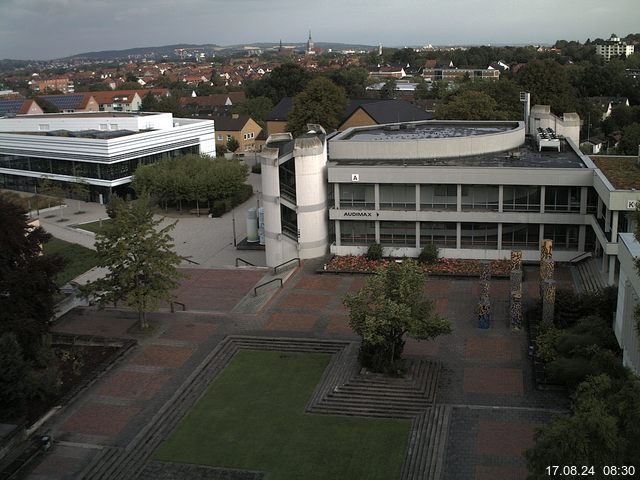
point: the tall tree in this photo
(322, 102)
(139, 256)
(392, 304)
(287, 80)
(470, 105)
(257, 108)
(26, 279)
(630, 142)
(549, 84)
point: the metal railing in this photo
(238, 259)
(582, 256)
(255, 290)
(275, 269)
(191, 261)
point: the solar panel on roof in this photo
(68, 102)
(10, 106)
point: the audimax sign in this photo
(360, 214)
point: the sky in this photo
(47, 29)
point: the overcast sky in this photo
(45, 29)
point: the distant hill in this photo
(169, 50)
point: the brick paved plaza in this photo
(485, 376)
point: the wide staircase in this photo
(587, 275)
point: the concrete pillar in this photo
(583, 200)
(417, 234)
(500, 202)
(336, 195)
(599, 209)
(612, 270)
(500, 232)
(614, 226)
(605, 257)
(376, 196)
(541, 235)
(417, 197)
(582, 236)
(543, 191)
(377, 231)
(458, 234)
(459, 198)
(607, 220)
(337, 232)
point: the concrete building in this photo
(475, 189)
(613, 47)
(100, 149)
(241, 127)
(628, 298)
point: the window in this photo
(228, 137)
(43, 127)
(479, 235)
(440, 234)
(480, 197)
(357, 196)
(438, 197)
(353, 232)
(562, 199)
(103, 126)
(219, 137)
(565, 237)
(398, 196)
(519, 198)
(520, 236)
(113, 126)
(398, 233)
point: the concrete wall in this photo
(344, 148)
(86, 121)
(568, 125)
(628, 294)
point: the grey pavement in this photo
(209, 242)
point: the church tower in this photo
(310, 45)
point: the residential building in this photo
(278, 116)
(362, 112)
(241, 127)
(73, 102)
(216, 104)
(613, 48)
(388, 72)
(475, 189)
(100, 149)
(22, 106)
(450, 74)
(119, 100)
(607, 104)
(62, 84)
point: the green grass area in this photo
(78, 259)
(94, 227)
(253, 418)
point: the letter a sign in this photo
(355, 177)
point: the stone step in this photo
(369, 391)
(390, 402)
(362, 412)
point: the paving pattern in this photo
(476, 421)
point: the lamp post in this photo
(233, 226)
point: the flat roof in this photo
(622, 172)
(527, 156)
(416, 131)
(97, 134)
(90, 115)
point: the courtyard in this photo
(138, 418)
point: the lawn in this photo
(253, 418)
(78, 259)
(94, 227)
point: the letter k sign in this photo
(355, 177)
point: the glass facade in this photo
(95, 170)
(439, 197)
(479, 235)
(357, 233)
(441, 234)
(480, 197)
(520, 236)
(402, 234)
(562, 199)
(357, 196)
(565, 237)
(519, 198)
(398, 196)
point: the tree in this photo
(391, 305)
(321, 102)
(14, 372)
(257, 108)
(353, 79)
(630, 142)
(389, 89)
(470, 105)
(232, 144)
(141, 263)
(287, 80)
(549, 84)
(26, 279)
(149, 103)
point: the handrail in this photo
(275, 269)
(184, 307)
(243, 260)
(580, 257)
(255, 290)
(191, 261)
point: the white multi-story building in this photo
(474, 189)
(100, 149)
(628, 300)
(614, 47)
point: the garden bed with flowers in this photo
(444, 266)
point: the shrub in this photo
(429, 254)
(374, 252)
(221, 150)
(218, 208)
(242, 194)
(257, 168)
